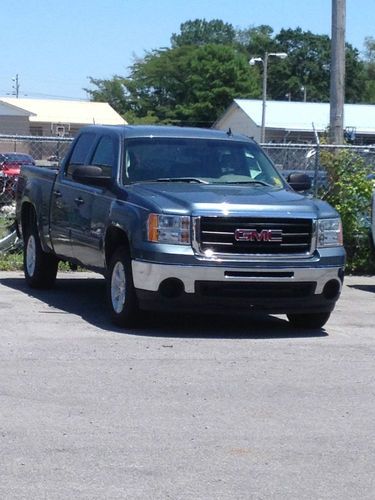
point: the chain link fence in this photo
(40, 148)
(307, 158)
(48, 152)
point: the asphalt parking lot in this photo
(183, 407)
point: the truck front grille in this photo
(254, 235)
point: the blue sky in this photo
(54, 46)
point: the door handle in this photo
(79, 201)
(57, 194)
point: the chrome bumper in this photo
(148, 276)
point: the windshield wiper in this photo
(181, 179)
(253, 181)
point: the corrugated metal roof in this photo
(292, 115)
(65, 111)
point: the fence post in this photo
(317, 161)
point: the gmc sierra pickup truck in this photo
(182, 219)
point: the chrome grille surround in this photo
(213, 238)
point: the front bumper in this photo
(276, 290)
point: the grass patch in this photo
(14, 262)
(11, 262)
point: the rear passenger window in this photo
(105, 155)
(80, 152)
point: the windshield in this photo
(197, 160)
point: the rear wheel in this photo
(310, 321)
(120, 289)
(40, 267)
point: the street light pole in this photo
(264, 98)
(264, 61)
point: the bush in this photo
(350, 193)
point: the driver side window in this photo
(105, 156)
(81, 150)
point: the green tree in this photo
(256, 40)
(306, 69)
(355, 76)
(112, 91)
(207, 66)
(187, 85)
(191, 85)
(369, 70)
(202, 32)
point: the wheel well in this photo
(115, 237)
(28, 216)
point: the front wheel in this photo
(40, 267)
(120, 289)
(309, 321)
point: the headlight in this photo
(329, 233)
(172, 229)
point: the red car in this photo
(10, 163)
(10, 167)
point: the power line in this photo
(54, 96)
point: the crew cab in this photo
(183, 219)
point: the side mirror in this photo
(299, 182)
(90, 174)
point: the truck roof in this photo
(139, 131)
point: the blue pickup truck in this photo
(182, 219)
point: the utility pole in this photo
(337, 89)
(16, 86)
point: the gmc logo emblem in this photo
(264, 235)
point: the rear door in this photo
(67, 198)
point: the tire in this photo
(120, 289)
(309, 321)
(40, 268)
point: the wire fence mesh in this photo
(48, 152)
(42, 149)
(307, 158)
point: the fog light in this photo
(331, 289)
(171, 288)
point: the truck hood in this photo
(226, 199)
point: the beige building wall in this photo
(14, 125)
(239, 123)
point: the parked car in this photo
(10, 167)
(182, 219)
(10, 163)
